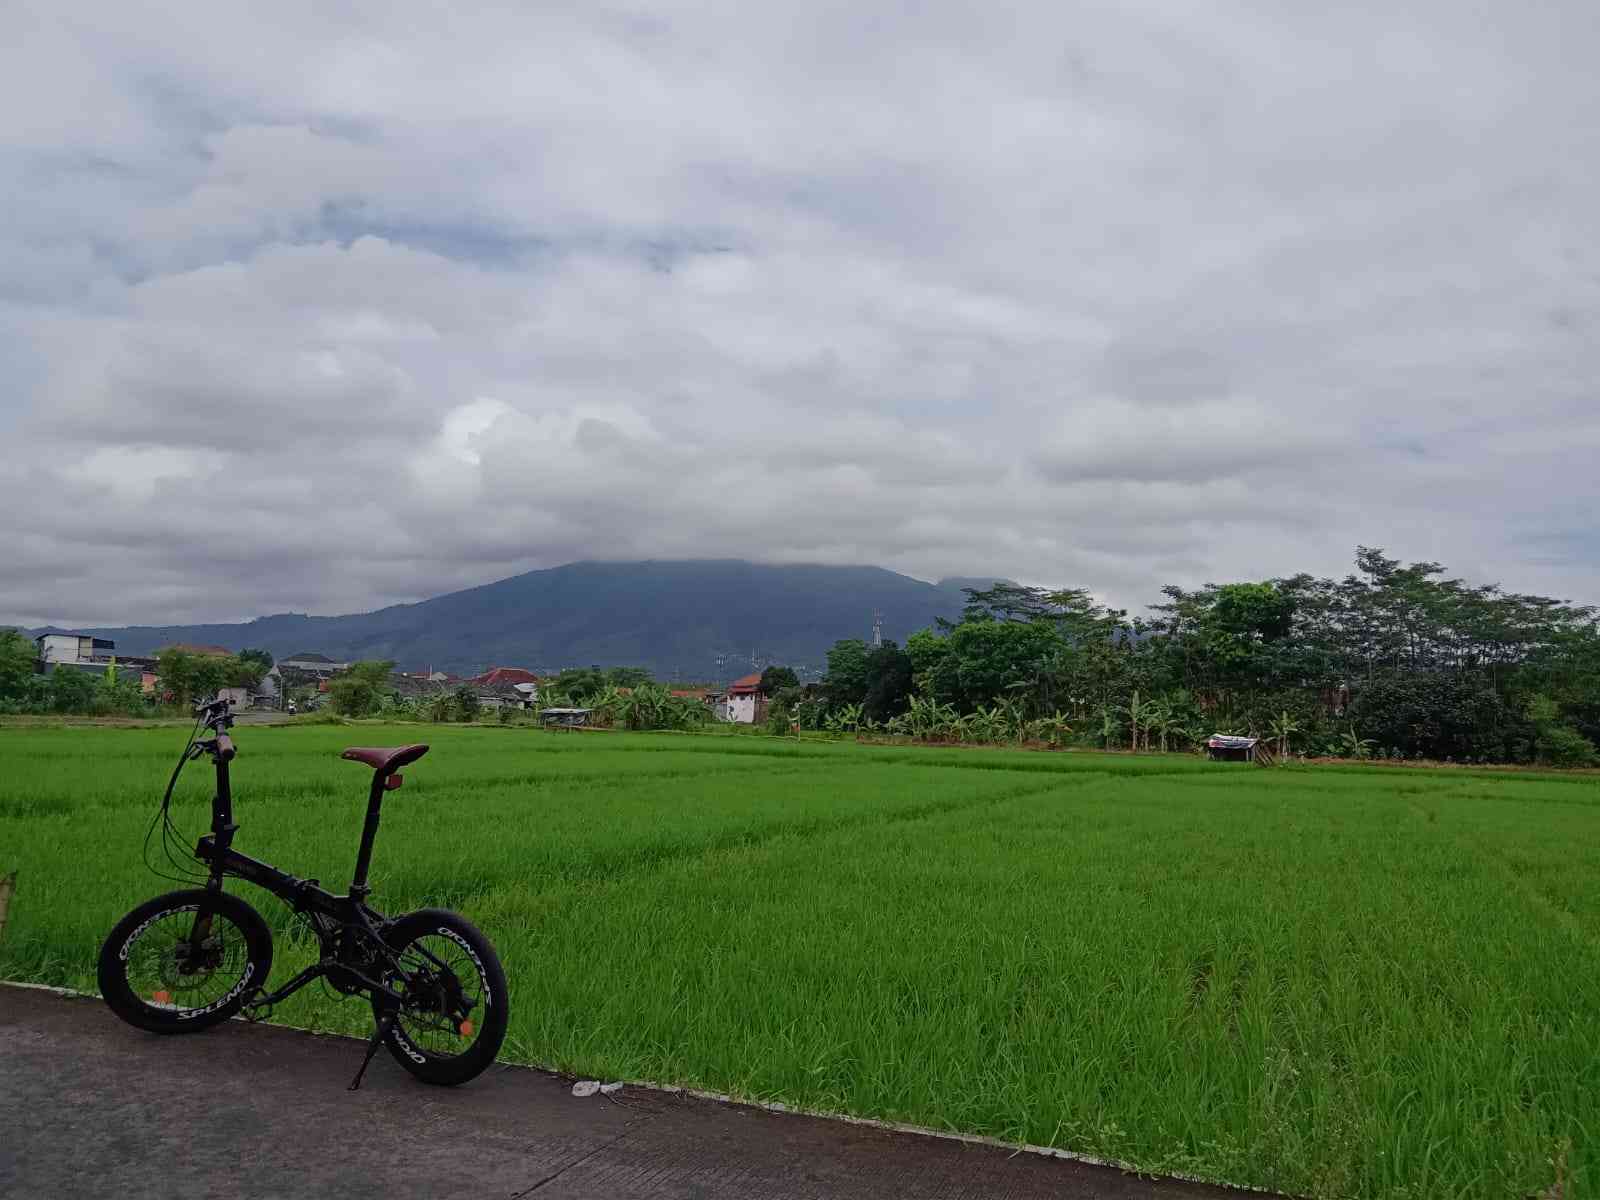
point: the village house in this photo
(73, 648)
(746, 705)
(311, 663)
(83, 652)
(505, 677)
(506, 687)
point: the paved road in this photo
(91, 1108)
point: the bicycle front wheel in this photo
(184, 961)
(453, 1010)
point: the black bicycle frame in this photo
(303, 895)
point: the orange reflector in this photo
(466, 1028)
(162, 997)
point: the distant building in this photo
(746, 704)
(84, 653)
(310, 663)
(502, 695)
(505, 677)
(73, 648)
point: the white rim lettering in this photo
(483, 976)
(185, 1014)
(405, 1046)
(133, 937)
(189, 1014)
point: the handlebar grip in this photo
(225, 750)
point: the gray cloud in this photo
(322, 310)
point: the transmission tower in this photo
(877, 627)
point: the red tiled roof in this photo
(745, 684)
(505, 675)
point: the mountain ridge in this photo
(686, 618)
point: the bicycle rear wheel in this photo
(184, 961)
(453, 1014)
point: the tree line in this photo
(617, 697)
(1395, 660)
(106, 690)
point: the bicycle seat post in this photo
(369, 833)
(383, 761)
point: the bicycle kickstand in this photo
(384, 1024)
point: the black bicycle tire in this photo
(130, 1007)
(455, 1069)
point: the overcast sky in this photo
(319, 307)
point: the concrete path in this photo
(90, 1107)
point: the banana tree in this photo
(1142, 717)
(845, 719)
(1354, 746)
(1054, 729)
(1109, 724)
(979, 726)
(1160, 719)
(930, 719)
(1283, 727)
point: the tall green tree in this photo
(263, 657)
(580, 684)
(889, 683)
(70, 691)
(775, 678)
(846, 680)
(360, 690)
(980, 660)
(17, 656)
(176, 671)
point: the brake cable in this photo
(163, 818)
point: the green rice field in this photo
(1320, 980)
